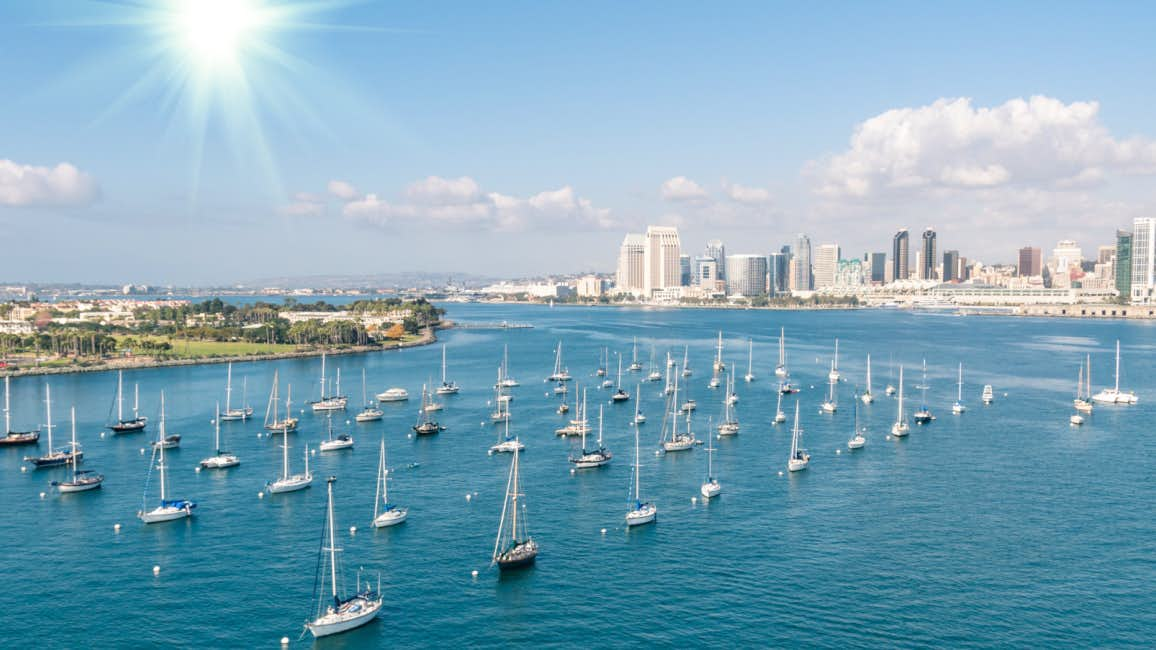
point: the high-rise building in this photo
(878, 263)
(850, 273)
(684, 271)
(631, 264)
(900, 244)
(951, 270)
(801, 277)
(716, 249)
(705, 273)
(1031, 262)
(927, 263)
(746, 275)
(662, 251)
(1143, 259)
(1124, 263)
(1105, 254)
(1066, 255)
(826, 265)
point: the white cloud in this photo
(460, 202)
(305, 205)
(952, 146)
(681, 188)
(747, 195)
(343, 190)
(28, 185)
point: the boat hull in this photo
(590, 461)
(521, 556)
(856, 443)
(644, 515)
(129, 426)
(337, 444)
(710, 489)
(69, 487)
(391, 517)
(163, 514)
(369, 415)
(221, 462)
(337, 622)
(15, 439)
(293, 484)
(797, 464)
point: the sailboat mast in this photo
(795, 433)
(1117, 365)
(285, 453)
(782, 347)
(332, 542)
(750, 356)
(120, 396)
(637, 464)
(322, 375)
(868, 374)
(74, 463)
(443, 367)
(7, 404)
(380, 479)
(229, 389)
(161, 439)
(599, 430)
(514, 500)
(217, 429)
(899, 418)
(959, 395)
(136, 401)
(48, 410)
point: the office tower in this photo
(850, 273)
(900, 244)
(684, 270)
(746, 275)
(1143, 259)
(826, 264)
(631, 264)
(705, 273)
(1124, 263)
(1105, 254)
(1067, 254)
(1031, 262)
(878, 268)
(777, 267)
(716, 250)
(801, 278)
(661, 258)
(951, 266)
(927, 263)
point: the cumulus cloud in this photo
(747, 195)
(681, 188)
(460, 202)
(305, 204)
(29, 185)
(343, 190)
(952, 146)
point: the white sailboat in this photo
(780, 416)
(394, 394)
(426, 425)
(672, 439)
(1083, 401)
(635, 364)
(1114, 395)
(799, 458)
(580, 424)
(900, 428)
(719, 366)
(686, 371)
(781, 368)
(638, 511)
(428, 404)
(596, 458)
(830, 405)
(867, 397)
(507, 444)
(334, 402)
(15, 438)
(448, 387)
(385, 514)
(890, 390)
(834, 375)
(54, 457)
(560, 373)
(334, 613)
(988, 395)
(370, 412)
(620, 394)
(729, 424)
(603, 362)
(137, 423)
(221, 459)
(857, 438)
(639, 416)
(230, 413)
(273, 421)
(289, 482)
(335, 443)
(958, 408)
(507, 381)
(82, 480)
(711, 487)
(655, 374)
(750, 376)
(169, 509)
(514, 548)
(923, 415)
(501, 412)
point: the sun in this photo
(214, 33)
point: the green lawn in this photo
(195, 349)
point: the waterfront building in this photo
(589, 286)
(1105, 254)
(826, 264)
(1031, 262)
(850, 273)
(746, 275)
(878, 266)
(1123, 266)
(631, 264)
(1066, 255)
(661, 259)
(951, 268)
(801, 277)
(1143, 260)
(927, 263)
(778, 266)
(705, 273)
(718, 252)
(684, 269)
(900, 244)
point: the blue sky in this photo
(518, 138)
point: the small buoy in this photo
(838, 451)
(468, 497)
(260, 495)
(156, 570)
(353, 530)
(780, 473)
(571, 470)
(142, 451)
(409, 436)
(313, 452)
(102, 435)
(197, 469)
(603, 531)
(284, 640)
(887, 438)
(258, 435)
(657, 452)
(694, 499)
(42, 495)
(116, 528)
(23, 469)
(474, 573)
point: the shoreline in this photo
(428, 337)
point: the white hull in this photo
(328, 405)
(507, 447)
(1113, 396)
(1076, 419)
(682, 444)
(221, 462)
(644, 515)
(797, 464)
(169, 513)
(447, 390)
(236, 414)
(890, 391)
(590, 461)
(829, 407)
(432, 407)
(337, 622)
(291, 484)
(780, 417)
(391, 517)
(856, 443)
(834, 376)
(369, 415)
(958, 409)
(714, 383)
(748, 378)
(336, 444)
(900, 429)
(1082, 405)
(654, 376)
(710, 489)
(781, 371)
(69, 488)
(867, 398)
(728, 429)
(393, 395)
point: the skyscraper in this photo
(951, 269)
(661, 257)
(705, 272)
(1124, 264)
(1031, 262)
(684, 270)
(927, 263)
(631, 264)
(777, 267)
(878, 268)
(801, 278)
(826, 265)
(746, 275)
(1143, 259)
(900, 244)
(716, 249)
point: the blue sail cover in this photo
(178, 503)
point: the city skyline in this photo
(496, 136)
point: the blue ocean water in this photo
(1002, 527)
